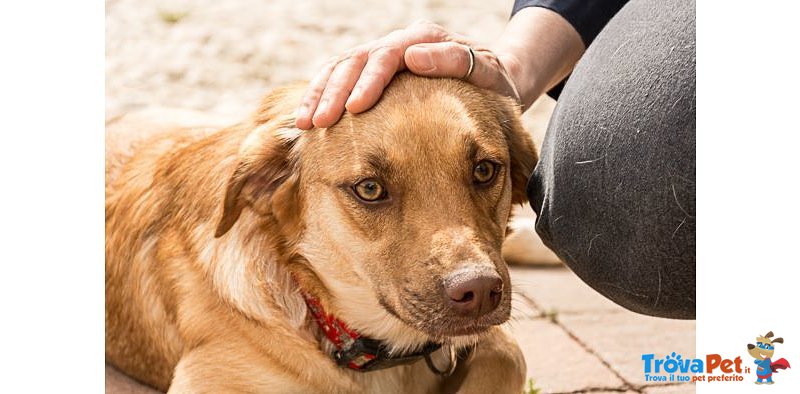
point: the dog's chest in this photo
(414, 378)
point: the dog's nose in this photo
(474, 292)
(750, 346)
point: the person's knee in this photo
(614, 254)
(623, 224)
(614, 188)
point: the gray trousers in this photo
(615, 185)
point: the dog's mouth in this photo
(458, 327)
(440, 323)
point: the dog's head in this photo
(399, 212)
(764, 347)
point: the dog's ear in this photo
(769, 335)
(521, 149)
(266, 158)
(264, 164)
(777, 340)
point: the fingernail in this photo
(423, 60)
(301, 113)
(322, 107)
(353, 96)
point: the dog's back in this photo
(141, 335)
(165, 174)
(135, 309)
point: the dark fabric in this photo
(587, 17)
(614, 189)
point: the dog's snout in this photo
(474, 292)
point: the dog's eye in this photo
(484, 171)
(369, 190)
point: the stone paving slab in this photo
(559, 289)
(523, 308)
(621, 338)
(556, 362)
(522, 246)
(676, 389)
(119, 383)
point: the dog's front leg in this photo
(495, 366)
(217, 369)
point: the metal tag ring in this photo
(450, 368)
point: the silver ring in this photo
(471, 63)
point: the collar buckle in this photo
(367, 354)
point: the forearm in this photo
(538, 48)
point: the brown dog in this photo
(256, 258)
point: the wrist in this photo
(538, 49)
(523, 80)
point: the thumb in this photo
(451, 59)
(441, 59)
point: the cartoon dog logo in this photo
(762, 351)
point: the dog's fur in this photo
(210, 237)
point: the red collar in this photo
(361, 353)
(336, 331)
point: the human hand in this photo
(356, 79)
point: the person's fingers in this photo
(441, 59)
(312, 96)
(386, 59)
(452, 59)
(359, 79)
(338, 88)
(383, 63)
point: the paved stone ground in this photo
(575, 340)
(220, 56)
